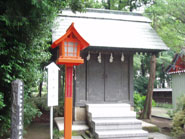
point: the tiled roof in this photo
(178, 63)
(111, 29)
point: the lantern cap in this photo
(69, 31)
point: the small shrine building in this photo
(114, 37)
(177, 71)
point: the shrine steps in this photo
(114, 121)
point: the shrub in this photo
(1, 101)
(57, 134)
(178, 123)
(5, 124)
(30, 110)
(139, 101)
(41, 103)
(178, 115)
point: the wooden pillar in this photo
(68, 105)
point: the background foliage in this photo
(139, 101)
(178, 116)
(169, 21)
(25, 38)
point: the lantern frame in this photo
(72, 36)
(63, 51)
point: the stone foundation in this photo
(80, 114)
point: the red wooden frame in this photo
(178, 64)
(73, 36)
(65, 57)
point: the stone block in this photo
(80, 114)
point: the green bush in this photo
(41, 103)
(4, 119)
(5, 124)
(57, 134)
(1, 101)
(178, 115)
(140, 84)
(139, 101)
(30, 110)
(178, 123)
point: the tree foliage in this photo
(25, 38)
(124, 5)
(169, 24)
(178, 115)
(141, 71)
(169, 21)
(139, 101)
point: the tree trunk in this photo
(146, 114)
(109, 4)
(142, 67)
(40, 88)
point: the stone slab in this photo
(107, 108)
(145, 124)
(112, 114)
(157, 135)
(121, 134)
(75, 127)
(80, 114)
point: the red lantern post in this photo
(70, 45)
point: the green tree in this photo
(93, 4)
(125, 5)
(25, 38)
(141, 68)
(169, 21)
(141, 71)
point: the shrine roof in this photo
(111, 29)
(178, 63)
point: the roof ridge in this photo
(118, 12)
(106, 14)
(112, 11)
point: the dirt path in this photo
(165, 125)
(38, 131)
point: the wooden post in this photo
(68, 102)
(53, 70)
(148, 102)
